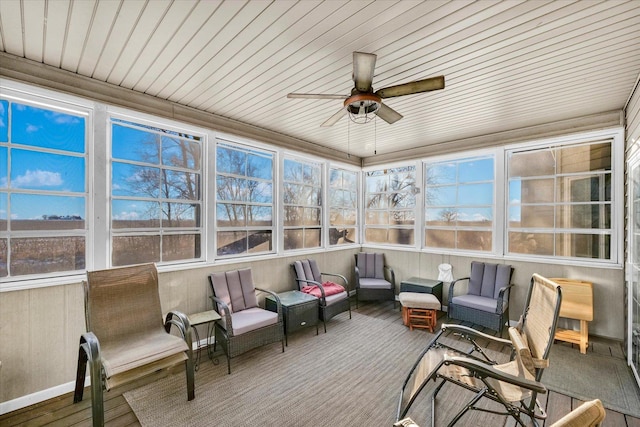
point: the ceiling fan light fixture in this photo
(362, 108)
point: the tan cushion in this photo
(251, 319)
(419, 300)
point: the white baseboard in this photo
(50, 393)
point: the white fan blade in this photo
(315, 96)
(388, 114)
(335, 118)
(363, 68)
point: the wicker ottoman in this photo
(419, 310)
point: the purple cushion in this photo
(251, 319)
(477, 302)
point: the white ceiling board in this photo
(507, 65)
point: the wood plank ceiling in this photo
(508, 65)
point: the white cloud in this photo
(126, 215)
(32, 128)
(37, 178)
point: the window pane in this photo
(231, 161)
(138, 181)
(540, 216)
(3, 211)
(180, 153)
(584, 216)
(293, 215)
(583, 245)
(181, 185)
(341, 236)
(259, 216)
(40, 255)
(474, 240)
(135, 214)
(130, 250)
(441, 173)
(4, 168)
(376, 235)
(229, 215)
(584, 158)
(311, 216)
(293, 239)
(532, 163)
(440, 239)
(180, 215)
(259, 167)
(4, 121)
(401, 236)
(537, 191)
(531, 243)
(442, 196)
(587, 189)
(231, 188)
(232, 242)
(260, 241)
(4, 271)
(45, 128)
(312, 237)
(45, 171)
(39, 212)
(135, 144)
(260, 191)
(441, 217)
(292, 171)
(475, 170)
(475, 194)
(180, 247)
(377, 218)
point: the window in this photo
(244, 206)
(560, 201)
(343, 206)
(458, 201)
(390, 204)
(302, 190)
(156, 197)
(43, 189)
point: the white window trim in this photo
(326, 189)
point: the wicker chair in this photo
(308, 274)
(485, 302)
(515, 384)
(374, 279)
(244, 325)
(126, 337)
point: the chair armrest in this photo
(501, 299)
(452, 285)
(90, 344)
(277, 298)
(344, 279)
(482, 370)
(393, 276)
(470, 333)
(180, 320)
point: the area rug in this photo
(589, 376)
(349, 376)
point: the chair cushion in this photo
(251, 319)
(503, 278)
(236, 289)
(475, 278)
(477, 302)
(371, 265)
(336, 297)
(307, 269)
(419, 300)
(374, 283)
(137, 350)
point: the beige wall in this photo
(40, 328)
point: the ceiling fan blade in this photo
(419, 86)
(388, 114)
(315, 96)
(363, 67)
(335, 118)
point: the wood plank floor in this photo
(61, 411)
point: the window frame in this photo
(616, 136)
(358, 177)
(45, 100)
(144, 120)
(493, 229)
(232, 143)
(322, 165)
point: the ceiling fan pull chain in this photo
(375, 135)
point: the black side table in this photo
(300, 311)
(420, 285)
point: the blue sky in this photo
(60, 173)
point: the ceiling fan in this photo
(363, 101)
